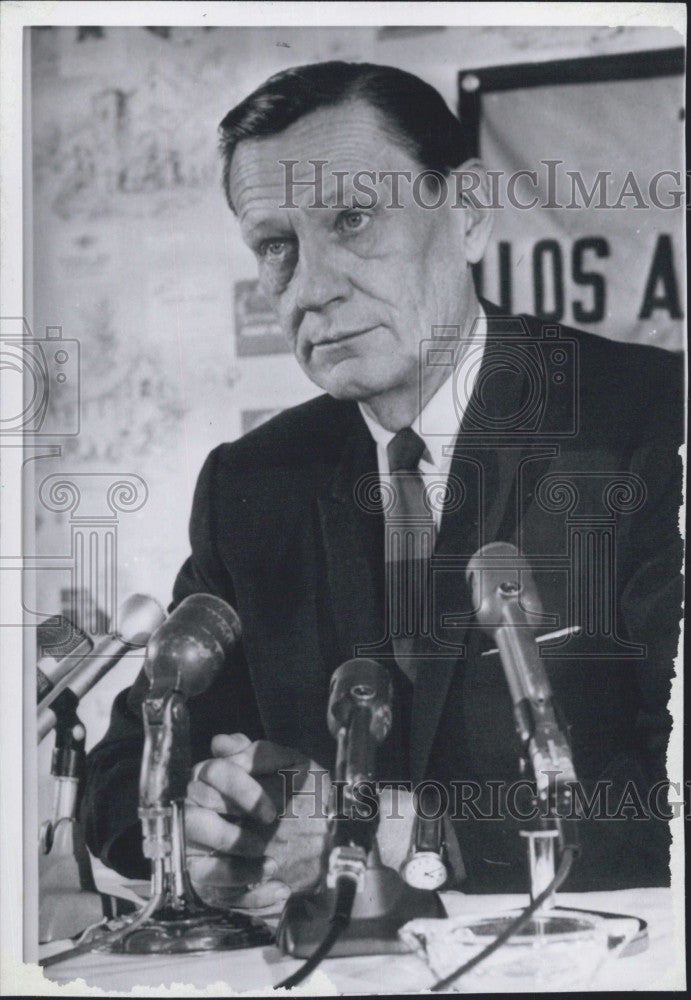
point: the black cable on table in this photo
(343, 905)
(516, 925)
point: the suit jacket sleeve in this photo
(111, 794)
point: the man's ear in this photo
(475, 212)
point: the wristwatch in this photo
(425, 867)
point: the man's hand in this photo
(251, 838)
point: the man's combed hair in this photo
(414, 113)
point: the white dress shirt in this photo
(439, 421)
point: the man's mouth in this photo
(341, 337)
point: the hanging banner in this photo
(587, 189)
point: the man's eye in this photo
(275, 250)
(353, 221)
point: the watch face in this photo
(425, 870)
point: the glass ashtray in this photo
(552, 951)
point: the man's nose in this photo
(318, 279)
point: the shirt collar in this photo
(439, 421)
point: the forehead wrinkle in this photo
(351, 137)
(258, 195)
(311, 189)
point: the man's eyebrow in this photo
(269, 225)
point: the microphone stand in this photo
(69, 899)
(546, 746)
(383, 902)
(502, 599)
(68, 894)
(175, 919)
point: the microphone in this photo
(139, 616)
(187, 652)
(361, 904)
(359, 717)
(508, 607)
(61, 637)
(184, 656)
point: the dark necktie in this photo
(410, 540)
(410, 535)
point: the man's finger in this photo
(229, 871)
(227, 744)
(264, 757)
(201, 794)
(209, 830)
(236, 791)
(270, 893)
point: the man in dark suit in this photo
(560, 442)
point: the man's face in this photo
(356, 288)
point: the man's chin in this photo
(356, 384)
(356, 392)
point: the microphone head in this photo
(189, 649)
(138, 618)
(498, 573)
(58, 636)
(361, 683)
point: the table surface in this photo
(259, 969)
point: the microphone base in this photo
(383, 905)
(209, 931)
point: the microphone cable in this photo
(346, 887)
(89, 940)
(567, 858)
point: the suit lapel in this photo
(484, 466)
(352, 530)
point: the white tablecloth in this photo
(661, 966)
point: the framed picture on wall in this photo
(256, 327)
